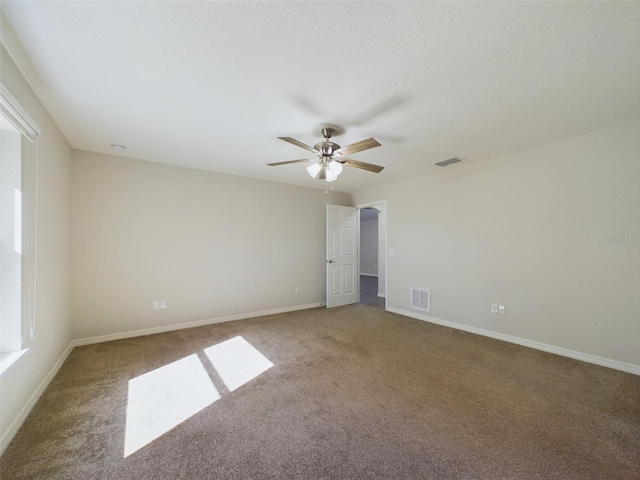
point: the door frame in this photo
(382, 207)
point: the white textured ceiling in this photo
(211, 85)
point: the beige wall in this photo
(21, 382)
(211, 245)
(527, 230)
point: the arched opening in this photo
(372, 257)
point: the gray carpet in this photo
(355, 392)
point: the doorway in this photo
(373, 254)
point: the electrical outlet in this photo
(494, 308)
(163, 304)
(297, 289)
(502, 310)
(156, 305)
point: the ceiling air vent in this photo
(421, 299)
(450, 161)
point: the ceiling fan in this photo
(330, 157)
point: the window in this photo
(18, 225)
(11, 236)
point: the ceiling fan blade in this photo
(358, 147)
(276, 164)
(370, 167)
(298, 143)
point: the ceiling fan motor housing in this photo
(326, 148)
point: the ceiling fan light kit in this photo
(330, 156)
(327, 168)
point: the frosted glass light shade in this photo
(314, 169)
(331, 177)
(335, 167)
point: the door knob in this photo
(330, 261)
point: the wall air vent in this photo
(450, 161)
(421, 299)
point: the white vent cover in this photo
(421, 299)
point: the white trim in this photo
(584, 357)
(35, 396)
(382, 295)
(17, 115)
(9, 358)
(199, 323)
(369, 274)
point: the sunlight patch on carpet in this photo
(237, 362)
(163, 398)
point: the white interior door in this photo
(342, 255)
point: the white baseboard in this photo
(369, 275)
(24, 412)
(35, 396)
(199, 323)
(383, 295)
(585, 357)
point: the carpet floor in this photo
(354, 393)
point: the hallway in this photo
(369, 292)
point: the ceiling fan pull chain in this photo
(326, 187)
